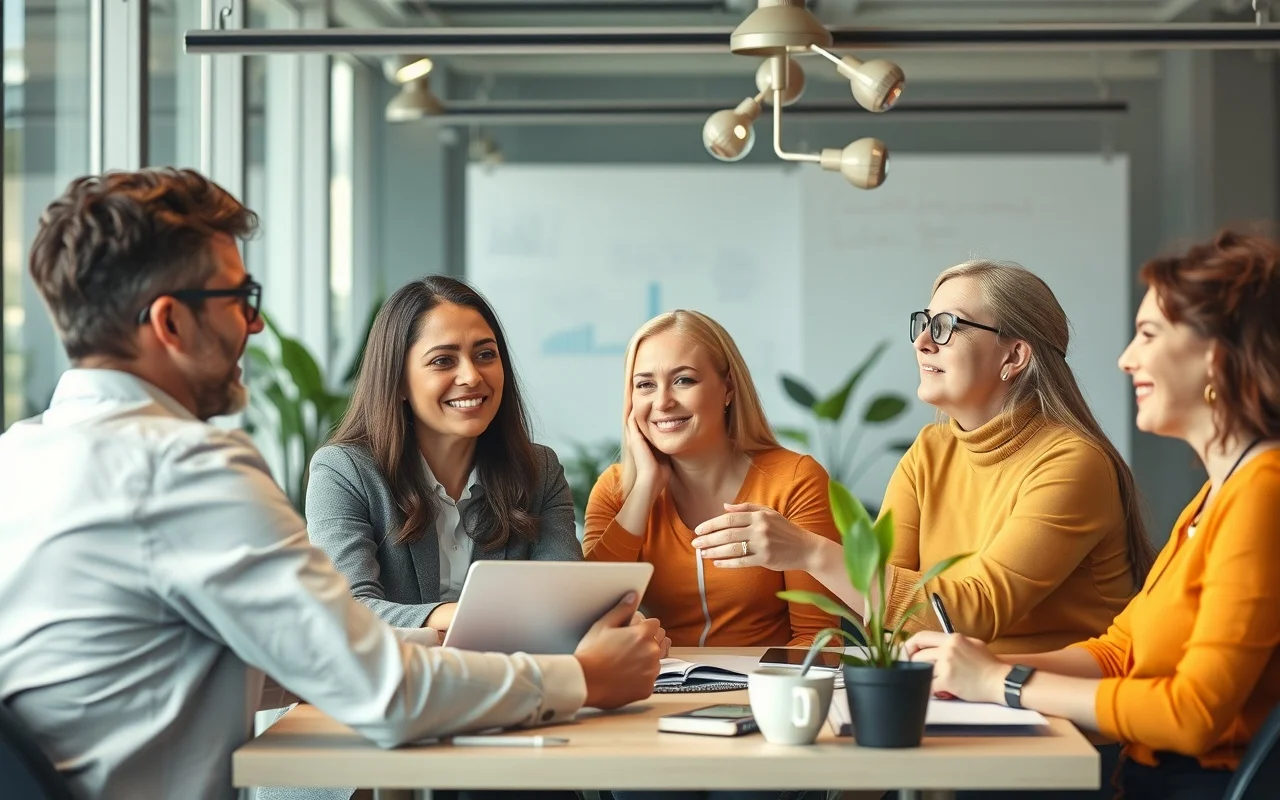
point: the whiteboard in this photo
(806, 272)
(576, 258)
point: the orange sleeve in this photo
(1111, 649)
(603, 538)
(809, 507)
(1069, 501)
(1235, 634)
(901, 497)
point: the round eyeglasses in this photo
(941, 325)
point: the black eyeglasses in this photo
(941, 326)
(250, 294)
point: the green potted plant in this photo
(888, 697)
(834, 439)
(584, 467)
(292, 405)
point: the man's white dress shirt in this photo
(152, 572)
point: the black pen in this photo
(942, 613)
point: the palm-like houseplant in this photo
(888, 697)
(833, 439)
(292, 400)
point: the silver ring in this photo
(744, 548)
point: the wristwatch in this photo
(1013, 683)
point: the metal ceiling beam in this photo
(492, 112)
(665, 41)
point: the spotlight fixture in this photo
(776, 31)
(729, 134)
(415, 99)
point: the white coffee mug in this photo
(790, 708)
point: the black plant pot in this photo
(888, 706)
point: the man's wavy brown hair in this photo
(112, 244)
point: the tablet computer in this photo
(538, 607)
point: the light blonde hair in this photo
(1023, 307)
(745, 422)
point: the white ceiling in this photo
(468, 13)
(38, 58)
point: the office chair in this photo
(25, 771)
(1258, 776)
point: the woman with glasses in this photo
(1189, 671)
(1019, 474)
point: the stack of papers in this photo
(955, 718)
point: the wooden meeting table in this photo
(623, 750)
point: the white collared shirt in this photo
(451, 533)
(152, 572)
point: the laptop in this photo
(538, 607)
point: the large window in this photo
(46, 119)
(174, 116)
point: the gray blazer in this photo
(352, 517)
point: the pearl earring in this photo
(1004, 374)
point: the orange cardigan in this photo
(1191, 664)
(734, 607)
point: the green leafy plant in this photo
(867, 546)
(291, 401)
(834, 441)
(584, 467)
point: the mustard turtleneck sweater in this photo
(1039, 508)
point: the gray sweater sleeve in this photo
(339, 522)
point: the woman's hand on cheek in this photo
(653, 470)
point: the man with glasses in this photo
(153, 571)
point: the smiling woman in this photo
(432, 466)
(698, 450)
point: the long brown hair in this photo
(1228, 289)
(380, 420)
(1024, 307)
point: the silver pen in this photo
(508, 741)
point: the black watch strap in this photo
(1013, 683)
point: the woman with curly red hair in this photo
(1189, 671)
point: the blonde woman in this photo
(695, 445)
(1020, 474)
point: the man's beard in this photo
(221, 394)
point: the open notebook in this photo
(707, 674)
(955, 718)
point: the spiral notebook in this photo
(708, 674)
(955, 718)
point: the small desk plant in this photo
(888, 697)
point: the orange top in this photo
(1040, 510)
(1191, 663)
(700, 604)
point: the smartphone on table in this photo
(789, 657)
(725, 719)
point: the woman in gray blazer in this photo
(432, 466)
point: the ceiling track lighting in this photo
(495, 41)
(495, 113)
(776, 30)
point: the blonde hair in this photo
(1023, 307)
(745, 422)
